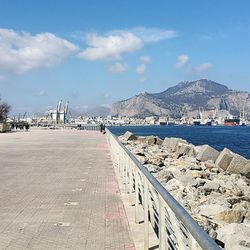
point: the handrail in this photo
(198, 234)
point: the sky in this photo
(94, 53)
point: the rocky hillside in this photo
(185, 98)
(98, 111)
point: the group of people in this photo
(20, 125)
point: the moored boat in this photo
(232, 122)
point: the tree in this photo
(4, 110)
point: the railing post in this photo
(123, 167)
(146, 232)
(126, 173)
(161, 224)
(130, 182)
(136, 196)
(177, 230)
(151, 210)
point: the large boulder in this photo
(235, 236)
(185, 149)
(207, 153)
(172, 143)
(161, 155)
(231, 216)
(152, 168)
(154, 140)
(199, 174)
(150, 140)
(188, 180)
(167, 176)
(142, 159)
(142, 139)
(129, 136)
(224, 159)
(155, 161)
(209, 210)
(210, 186)
(238, 165)
(246, 170)
(173, 185)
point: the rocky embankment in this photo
(213, 186)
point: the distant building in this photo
(59, 115)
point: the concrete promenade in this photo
(58, 190)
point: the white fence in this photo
(173, 225)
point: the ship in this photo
(198, 122)
(232, 121)
(163, 123)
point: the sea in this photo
(236, 139)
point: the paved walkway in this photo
(58, 190)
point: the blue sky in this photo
(97, 52)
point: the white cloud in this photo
(118, 67)
(110, 47)
(145, 59)
(182, 60)
(141, 69)
(21, 51)
(149, 35)
(115, 43)
(203, 67)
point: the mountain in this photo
(187, 97)
(98, 111)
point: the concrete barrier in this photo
(224, 159)
(206, 153)
(238, 164)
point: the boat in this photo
(163, 123)
(196, 123)
(232, 121)
(204, 122)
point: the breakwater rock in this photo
(213, 186)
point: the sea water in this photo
(236, 139)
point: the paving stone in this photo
(50, 199)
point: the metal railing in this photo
(89, 127)
(173, 225)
